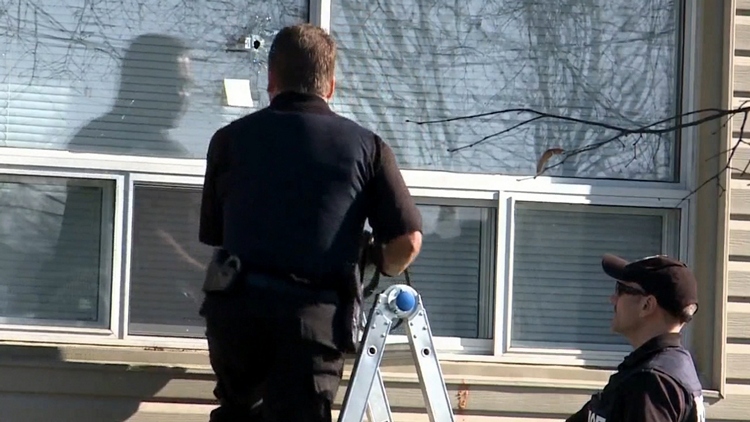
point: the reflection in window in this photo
(168, 262)
(602, 60)
(132, 77)
(55, 260)
(560, 295)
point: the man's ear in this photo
(271, 87)
(649, 305)
(332, 88)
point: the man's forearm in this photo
(400, 252)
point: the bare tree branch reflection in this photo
(626, 138)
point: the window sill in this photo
(396, 367)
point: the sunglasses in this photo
(624, 289)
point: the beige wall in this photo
(85, 383)
(738, 306)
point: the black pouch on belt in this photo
(222, 272)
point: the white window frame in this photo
(584, 355)
(462, 188)
(112, 239)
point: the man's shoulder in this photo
(347, 121)
(656, 389)
(255, 116)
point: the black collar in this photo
(650, 348)
(300, 102)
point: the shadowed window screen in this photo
(560, 294)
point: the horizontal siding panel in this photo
(740, 191)
(742, 33)
(107, 380)
(45, 408)
(734, 408)
(743, 5)
(64, 392)
(742, 155)
(740, 99)
(739, 238)
(738, 362)
(741, 158)
(742, 72)
(63, 408)
(738, 321)
(739, 279)
(502, 404)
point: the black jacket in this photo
(656, 383)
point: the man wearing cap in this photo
(654, 298)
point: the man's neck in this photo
(640, 338)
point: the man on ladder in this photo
(286, 195)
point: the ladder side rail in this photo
(367, 363)
(431, 380)
(379, 410)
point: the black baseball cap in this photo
(670, 281)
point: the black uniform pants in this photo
(274, 354)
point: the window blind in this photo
(111, 77)
(168, 262)
(560, 294)
(614, 61)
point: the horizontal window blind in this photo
(448, 272)
(111, 77)
(55, 251)
(168, 263)
(614, 61)
(560, 294)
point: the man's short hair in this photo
(303, 59)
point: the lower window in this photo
(559, 293)
(55, 251)
(167, 262)
(454, 272)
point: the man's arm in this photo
(211, 231)
(393, 215)
(650, 397)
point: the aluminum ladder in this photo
(366, 394)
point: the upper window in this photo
(613, 61)
(133, 78)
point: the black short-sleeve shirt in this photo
(289, 187)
